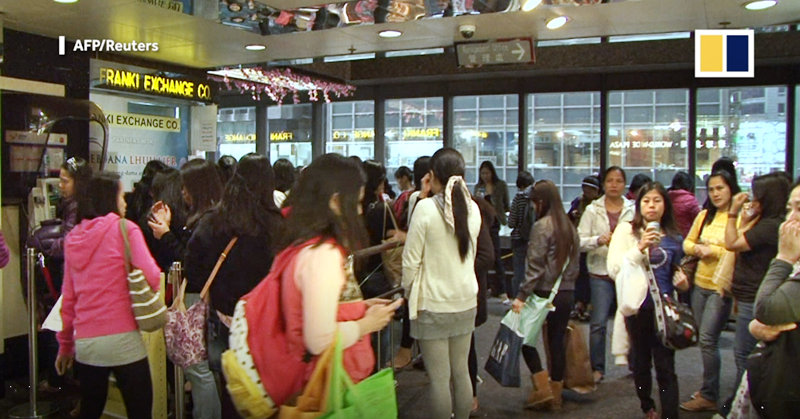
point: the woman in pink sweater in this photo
(100, 331)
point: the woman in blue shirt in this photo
(663, 245)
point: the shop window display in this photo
(745, 124)
(351, 129)
(290, 133)
(647, 132)
(236, 131)
(486, 129)
(414, 128)
(564, 139)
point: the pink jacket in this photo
(95, 290)
(685, 208)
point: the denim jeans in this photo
(603, 297)
(744, 343)
(520, 248)
(204, 392)
(711, 311)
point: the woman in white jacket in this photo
(595, 229)
(440, 282)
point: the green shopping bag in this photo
(373, 398)
(535, 311)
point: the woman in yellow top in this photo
(711, 306)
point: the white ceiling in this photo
(195, 42)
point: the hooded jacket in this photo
(95, 290)
(594, 223)
(685, 207)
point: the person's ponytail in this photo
(460, 212)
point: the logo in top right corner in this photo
(724, 53)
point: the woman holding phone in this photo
(652, 241)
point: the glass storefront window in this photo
(414, 128)
(290, 133)
(796, 133)
(747, 124)
(236, 132)
(486, 128)
(647, 132)
(351, 129)
(564, 139)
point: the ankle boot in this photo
(542, 394)
(556, 387)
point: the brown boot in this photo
(556, 387)
(542, 394)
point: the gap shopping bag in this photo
(503, 362)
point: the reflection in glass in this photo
(351, 129)
(564, 144)
(727, 126)
(290, 133)
(236, 131)
(414, 128)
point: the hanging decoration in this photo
(277, 83)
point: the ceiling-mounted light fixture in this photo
(530, 5)
(234, 7)
(237, 19)
(760, 4)
(255, 47)
(557, 22)
(389, 33)
(65, 1)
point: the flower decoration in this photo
(277, 83)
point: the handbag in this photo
(689, 263)
(392, 258)
(185, 329)
(675, 322)
(503, 362)
(772, 372)
(536, 309)
(148, 308)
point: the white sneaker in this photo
(506, 302)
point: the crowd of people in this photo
(303, 226)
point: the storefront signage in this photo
(281, 136)
(422, 133)
(154, 84)
(515, 51)
(175, 6)
(34, 138)
(357, 134)
(155, 123)
(708, 144)
(240, 138)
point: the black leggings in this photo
(557, 322)
(473, 366)
(406, 341)
(133, 381)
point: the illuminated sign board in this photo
(149, 122)
(422, 133)
(357, 134)
(154, 84)
(281, 136)
(240, 138)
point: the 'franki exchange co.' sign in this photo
(154, 84)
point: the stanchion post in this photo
(176, 276)
(34, 409)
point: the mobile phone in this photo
(393, 295)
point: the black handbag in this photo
(772, 371)
(675, 322)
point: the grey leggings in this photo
(446, 359)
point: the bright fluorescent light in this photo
(557, 22)
(255, 47)
(390, 33)
(65, 1)
(760, 4)
(530, 5)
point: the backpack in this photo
(528, 219)
(258, 393)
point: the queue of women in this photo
(336, 206)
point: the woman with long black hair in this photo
(553, 253)
(439, 279)
(653, 239)
(493, 189)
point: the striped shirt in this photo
(517, 213)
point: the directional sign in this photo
(515, 51)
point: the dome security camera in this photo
(467, 31)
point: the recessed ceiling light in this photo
(760, 4)
(557, 22)
(390, 33)
(237, 19)
(255, 47)
(530, 5)
(65, 1)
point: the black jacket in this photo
(246, 265)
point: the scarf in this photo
(723, 275)
(445, 200)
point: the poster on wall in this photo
(204, 128)
(136, 139)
